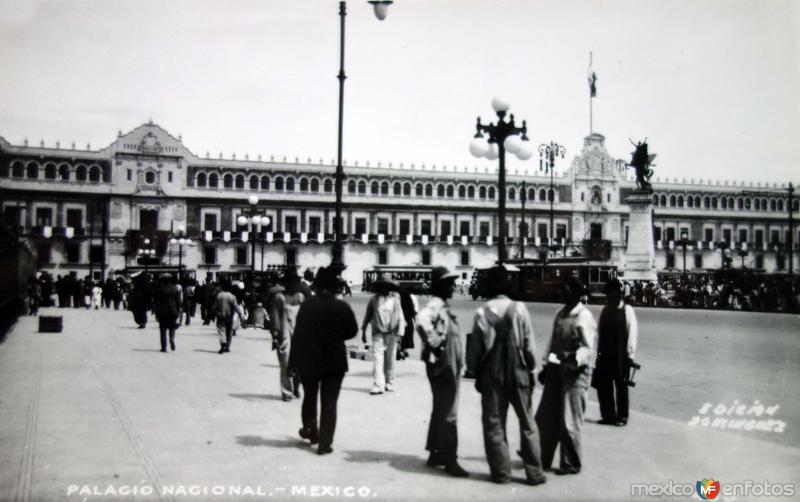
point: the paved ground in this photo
(97, 409)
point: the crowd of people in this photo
(75, 292)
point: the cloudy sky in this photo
(714, 85)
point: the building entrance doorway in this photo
(148, 222)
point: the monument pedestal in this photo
(640, 255)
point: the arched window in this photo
(201, 180)
(550, 195)
(655, 199)
(265, 183)
(730, 202)
(327, 185)
(279, 183)
(50, 171)
(542, 194)
(482, 192)
(763, 204)
(491, 192)
(80, 173)
(94, 174)
(462, 192)
(773, 205)
(471, 192)
(723, 202)
(290, 184)
(531, 194)
(714, 203)
(747, 203)
(17, 170)
(440, 191)
(149, 177)
(407, 189)
(374, 188)
(254, 182)
(418, 190)
(351, 186)
(362, 187)
(680, 200)
(756, 204)
(385, 188)
(397, 189)
(450, 192)
(33, 170)
(428, 190)
(227, 181)
(315, 185)
(213, 180)
(672, 201)
(240, 182)
(780, 204)
(690, 201)
(512, 194)
(740, 203)
(303, 185)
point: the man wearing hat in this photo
(444, 358)
(503, 360)
(319, 355)
(385, 316)
(167, 307)
(285, 306)
(569, 355)
(617, 337)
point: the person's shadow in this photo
(257, 397)
(207, 351)
(401, 462)
(146, 350)
(287, 442)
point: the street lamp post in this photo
(180, 240)
(503, 137)
(684, 242)
(253, 219)
(337, 253)
(547, 160)
(146, 253)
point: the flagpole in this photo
(591, 128)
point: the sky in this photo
(713, 85)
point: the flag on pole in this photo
(592, 77)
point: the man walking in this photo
(503, 360)
(318, 354)
(226, 307)
(285, 306)
(167, 307)
(616, 346)
(444, 358)
(385, 315)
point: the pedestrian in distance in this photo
(444, 360)
(226, 310)
(319, 355)
(503, 360)
(618, 333)
(285, 306)
(565, 377)
(384, 315)
(166, 307)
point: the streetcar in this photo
(413, 278)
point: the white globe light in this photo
(146, 242)
(493, 152)
(182, 241)
(500, 105)
(524, 153)
(241, 220)
(478, 148)
(512, 144)
(265, 220)
(173, 241)
(381, 8)
(181, 229)
(253, 200)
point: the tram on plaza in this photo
(414, 278)
(540, 281)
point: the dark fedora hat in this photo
(327, 279)
(442, 274)
(290, 274)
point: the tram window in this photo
(594, 275)
(604, 275)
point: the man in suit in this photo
(319, 355)
(503, 360)
(444, 358)
(285, 306)
(226, 306)
(167, 307)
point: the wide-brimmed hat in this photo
(290, 274)
(442, 274)
(326, 278)
(613, 286)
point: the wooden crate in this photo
(51, 324)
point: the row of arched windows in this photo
(359, 187)
(720, 202)
(32, 170)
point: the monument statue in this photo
(641, 161)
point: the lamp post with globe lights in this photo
(381, 8)
(179, 239)
(503, 137)
(547, 160)
(146, 254)
(253, 219)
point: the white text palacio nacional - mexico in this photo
(73, 206)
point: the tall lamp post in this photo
(684, 242)
(547, 161)
(253, 219)
(503, 136)
(146, 254)
(180, 240)
(337, 253)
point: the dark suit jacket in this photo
(323, 324)
(167, 302)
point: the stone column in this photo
(640, 252)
